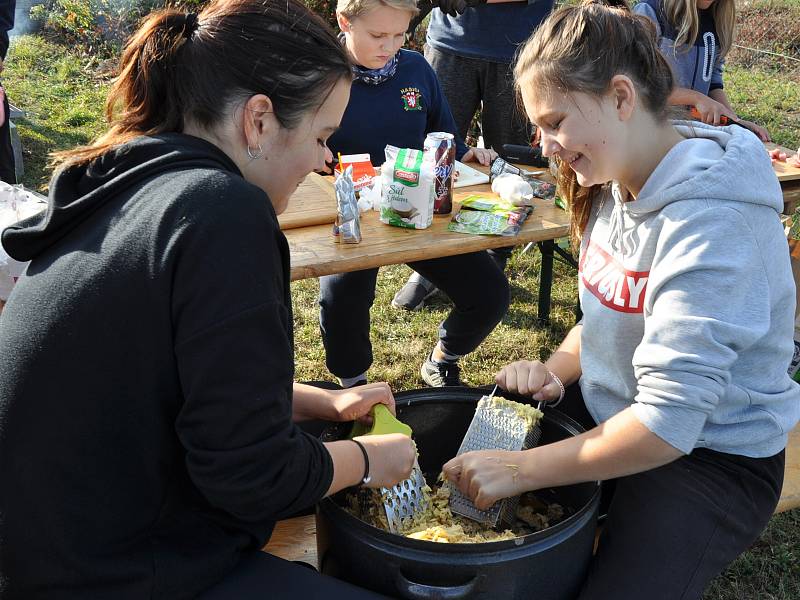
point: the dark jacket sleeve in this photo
(6, 24)
(234, 349)
(440, 118)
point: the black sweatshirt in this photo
(146, 367)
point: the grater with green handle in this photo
(405, 499)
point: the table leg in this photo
(545, 280)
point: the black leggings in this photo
(7, 171)
(477, 287)
(671, 530)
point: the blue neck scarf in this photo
(374, 76)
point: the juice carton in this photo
(363, 171)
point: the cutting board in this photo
(468, 176)
(784, 171)
(313, 203)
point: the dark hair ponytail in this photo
(180, 66)
(580, 49)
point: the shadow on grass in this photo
(38, 141)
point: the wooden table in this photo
(314, 252)
(789, 178)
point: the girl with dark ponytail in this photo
(678, 367)
(147, 402)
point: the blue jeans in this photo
(478, 289)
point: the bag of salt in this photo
(407, 181)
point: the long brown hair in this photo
(580, 49)
(180, 67)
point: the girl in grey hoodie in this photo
(688, 304)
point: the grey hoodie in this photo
(688, 299)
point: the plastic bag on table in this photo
(513, 188)
(347, 228)
(15, 205)
(489, 216)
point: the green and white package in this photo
(481, 215)
(407, 180)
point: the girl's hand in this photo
(487, 476)
(528, 378)
(355, 403)
(712, 111)
(484, 156)
(391, 458)
(762, 133)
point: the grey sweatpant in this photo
(472, 83)
(466, 83)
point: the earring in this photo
(254, 155)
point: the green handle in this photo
(383, 422)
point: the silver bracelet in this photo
(561, 389)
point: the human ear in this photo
(623, 92)
(344, 24)
(259, 119)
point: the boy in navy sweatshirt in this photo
(396, 99)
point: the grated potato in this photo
(438, 524)
(529, 414)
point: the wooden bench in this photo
(295, 539)
(790, 494)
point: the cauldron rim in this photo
(462, 394)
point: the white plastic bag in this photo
(15, 204)
(513, 188)
(370, 197)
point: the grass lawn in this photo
(64, 98)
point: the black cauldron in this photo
(546, 565)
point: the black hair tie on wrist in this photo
(366, 478)
(190, 24)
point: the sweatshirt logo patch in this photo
(612, 284)
(411, 98)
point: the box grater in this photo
(407, 498)
(498, 424)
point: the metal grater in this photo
(405, 499)
(495, 425)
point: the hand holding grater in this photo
(498, 424)
(406, 499)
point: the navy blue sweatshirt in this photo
(400, 111)
(146, 368)
(487, 32)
